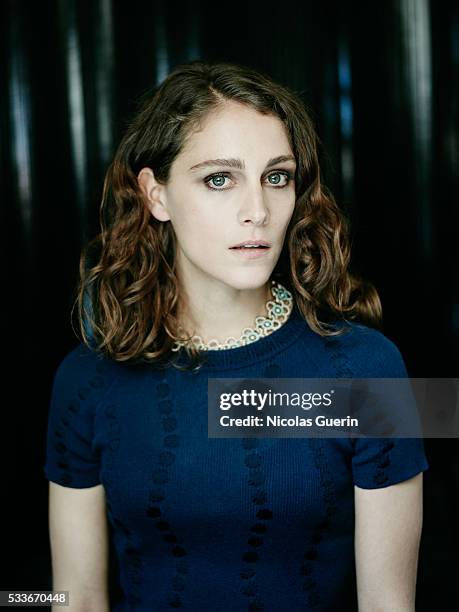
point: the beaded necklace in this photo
(278, 308)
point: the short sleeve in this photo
(381, 462)
(71, 459)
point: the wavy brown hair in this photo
(128, 295)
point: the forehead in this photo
(236, 130)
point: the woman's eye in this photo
(280, 178)
(216, 181)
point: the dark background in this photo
(381, 81)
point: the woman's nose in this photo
(254, 209)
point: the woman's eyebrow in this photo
(239, 164)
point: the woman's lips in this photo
(252, 243)
(250, 252)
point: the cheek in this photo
(198, 229)
(282, 215)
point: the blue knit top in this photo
(199, 523)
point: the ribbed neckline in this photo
(259, 350)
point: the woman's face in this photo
(232, 182)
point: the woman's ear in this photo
(155, 197)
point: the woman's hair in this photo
(128, 295)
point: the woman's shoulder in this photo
(86, 371)
(358, 351)
(365, 351)
(83, 369)
(80, 359)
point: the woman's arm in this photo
(388, 524)
(79, 546)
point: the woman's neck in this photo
(222, 312)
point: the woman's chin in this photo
(250, 280)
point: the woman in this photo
(222, 255)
